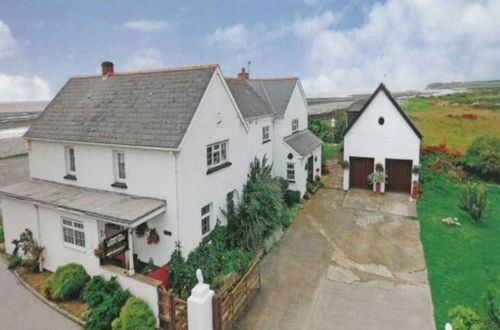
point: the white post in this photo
(131, 270)
(448, 326)
(199, 305)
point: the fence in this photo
(227, 306)
(172, 310)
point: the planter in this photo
(377, 188)
(153, 237)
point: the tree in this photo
(483, 157)
(473, 200)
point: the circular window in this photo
(381, 120)
(290, 156)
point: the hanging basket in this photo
(153, 237)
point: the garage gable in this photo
(376, 102)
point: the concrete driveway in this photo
(349, 261)
(20, 309)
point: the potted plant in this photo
(344, 165)
(377, 178)
(379, 167)
(153, 236)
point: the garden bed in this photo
(36, 281)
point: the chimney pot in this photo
(243, 75)
(107, 68)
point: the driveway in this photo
(22, 310)
(349, 261)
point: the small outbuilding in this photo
(381, 137)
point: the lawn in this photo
(463, 262)
(441, 119)
(330, 150)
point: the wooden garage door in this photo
(359, 169)
(399, 175)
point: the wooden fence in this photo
(228, 306)
(172, 311)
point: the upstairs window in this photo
(295, 125)
(73, 232)
(265, 133)
(205, 219)
(119, 159)
(217, 153)
(290, 171)
(70, 160)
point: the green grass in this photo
(330, 151)
(462, 262)
(439, 118)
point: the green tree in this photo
(473, 200)
(483, 157)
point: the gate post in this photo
(199, 306)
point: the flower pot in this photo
(377, 188)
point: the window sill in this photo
(75, 247)
(119, 185)
(265, 141)
(218, 167)
(70, 177)
(291, 181)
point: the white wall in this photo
(254, 145)
(149, 173)
(393, 140)
(196, 187)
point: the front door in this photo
(359, 169)
(398, 175)
(310, 169)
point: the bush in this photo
(30, 249)
(340, 127)
(322, 129)
(463, 318)
(15, 261)
(102, 315)
(1, 234)
(492, 308)
(135, 315)
(98, 289)
(292, 197)
(67, 282)
(483, 157)
(473, 200)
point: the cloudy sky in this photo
(335, 47)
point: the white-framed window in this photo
(73, 232)
(217, 153)
(70, 159)
(205, 219)
(265, 133)
(119, 160)
(290, 171)
(295, 125)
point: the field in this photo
(455, 119)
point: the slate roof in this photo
(148, 108)
(260, 97)
(382, 88)
(105, 205)
(249, 101)
(22, 107)
(303, 142)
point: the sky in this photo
(335, 47)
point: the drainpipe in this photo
(131, 270)
(38, 235)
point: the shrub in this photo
(340, 127)
(98, 289)
(15, 261)
(483, 157)
(322, 129)
(67, 282)
(473, 200)
(30, 249)
(492, 308)
(463, 318)
(135, 315)
(292, 197)
(102, 315)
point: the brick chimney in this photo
(107, 68)
(243, 75)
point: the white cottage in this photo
(379, 132)
(116, 152)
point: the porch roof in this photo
(114, 207)
(303, 142)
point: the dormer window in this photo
(295, 125)
(69, 156)
(119, 169)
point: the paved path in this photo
(22, 310)
(350, 261)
